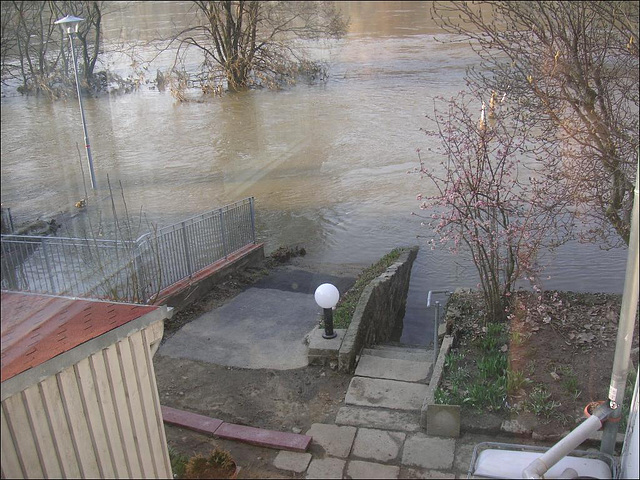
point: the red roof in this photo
(36, 328)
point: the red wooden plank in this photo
(192, 421)
(264, 438)
(230, 431)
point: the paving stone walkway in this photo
(377, 433)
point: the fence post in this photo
(222, 229)
(47, 263)
(137, 271)
(10, 264)
(185, 240)
(436, 327)
(253, 219)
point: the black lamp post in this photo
(327, 297)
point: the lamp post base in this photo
(328, 324)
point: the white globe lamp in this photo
(327, 296)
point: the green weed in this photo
(518, 339)
(178, 462)
(493, 338)
(489, 395)
(492, 366)
(540, 402)
(516, 380)
(452, 360)
(347, 305)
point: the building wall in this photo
(99, 417)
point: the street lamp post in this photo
(70, 23)
(327, 297)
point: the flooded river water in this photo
(327, 164)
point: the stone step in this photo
(382, 393)
(401, 344)
(413, 354)
(380, 418)
(394, 369)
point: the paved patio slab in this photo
(426, 452)
(359, 469)
(292, 461)
(378, 445)
(333, 439)
(379, 418)
(326, 468)
(260, 328)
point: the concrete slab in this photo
(326, 468)
(379, 418)
(397, 348)
(393, 369)
(333, 439)
(381, 393)
(257, 329)
(415, 354)
(410, 473)
(359, 469)
(443, 420)
(462, 459)
(292, 461)
(431, 453)
(379, 445)
(302, 281)
(323, 350)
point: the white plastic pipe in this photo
(541, 465)
(626, 325)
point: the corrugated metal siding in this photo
(99, 418)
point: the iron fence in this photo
(6, 221)
(132, 271)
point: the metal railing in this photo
(132, 271)
(6, 220)
(436, 320)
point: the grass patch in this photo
(347, 305)
(483, 385)
(541, 403)
(178, 462)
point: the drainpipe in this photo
(542, 464)
(625, 331)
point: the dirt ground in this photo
(282, 400)
(564, 343)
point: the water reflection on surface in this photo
(327, 163)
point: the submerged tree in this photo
(256, 42)
(34, 51)
(573, 67)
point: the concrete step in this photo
(380, 418)
(413, 354)
(382, 393)
(394, 369)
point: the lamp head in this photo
(327, 295)
(69, 23)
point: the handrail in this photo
(436, 323)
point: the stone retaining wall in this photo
(379, 311)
